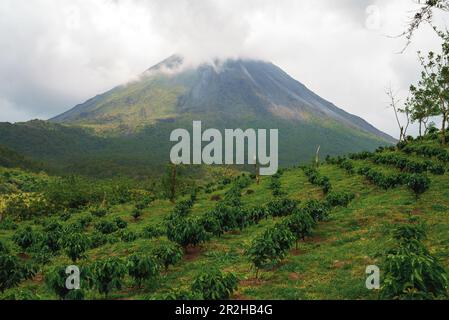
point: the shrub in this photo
(75, 245)
(343, 199)
(13, 271)
(411, 272)
(98, 212)
(186, 232)
(300, 223)
(108, 275)
(183, 208)
(106, 227)
(97, 239)
(255, 214)
(55, 279)
(128, 236)
(151, 232)
(41, 253)
(142, 267)
(437, 169)
(53, 233)
(318, 210)
(120, 223)
(136, 214)
(281, 207)
(418, 183)
(227, 217)
(214, 285)
(270, 247)
(348, 166)
(211, 224)
(168, 254)
(233, 196)
(26, 237)
(8, 224)
(275, 186)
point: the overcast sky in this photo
(55, 54)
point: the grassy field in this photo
(329, 264)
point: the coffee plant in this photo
(168, 254)
(418, 183)
(108, 275)
(75, 245)
(215, 285)
(142, 267)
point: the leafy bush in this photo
(211, 224)
(26, 237)
(255, 214)
(136, 214)
(270, 247)
(168, 254)
(108, 275)
(411, 272)
(418, 183)
(13, 271)
(214, 285)
(318, 210)
(275, 186)
(186, 232)
(281, 207)
(343, 199)
(8, 224)
(53, 233)
(300, 223)
(98, 212)
(233, 196)
(383, 180)
(128, 236)
(437, 169)
(120, 223)
(228, 217)
(152, 231)
(106, 227)
(55, 279)
(348, 166)
(142, 267)
(75, 245)
(183, 208)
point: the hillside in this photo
(230, 89)
(368, 199)
(126, 130)
(12, 159)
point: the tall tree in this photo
(435, 81)
(422, 107)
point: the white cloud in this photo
(55, 54)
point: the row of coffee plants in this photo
(107, 275)
(272, 246)
(315, 178)
(427, 151)
(392, 159)
(408, 165)
(210, 285)
(411, 271)
(417, 183)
